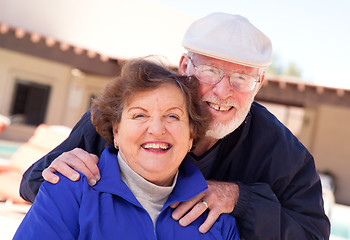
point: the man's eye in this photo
(241, 77)
(244, 78)
(209, 71)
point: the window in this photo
(30, 101)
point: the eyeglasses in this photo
(212, 75)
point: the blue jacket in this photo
(109, 210)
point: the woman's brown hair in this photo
(141, 75)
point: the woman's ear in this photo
(190, 145)
(115, 129)
(115, 134)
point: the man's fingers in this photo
(64, 169)
(209, 222)
(86, 163)
(184, 207)
(94, 158)
(221, 197)
(50, 176)
(72, 162)
(92, 165)
(195, 212)
(174, 205)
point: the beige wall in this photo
(290, 116)
(326, 133)
(81, 88)
(70, 89)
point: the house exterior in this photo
(43, 80)
(34, 90)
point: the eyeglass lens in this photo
(213, 75)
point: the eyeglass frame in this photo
(222, 74)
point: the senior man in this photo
(256, 168)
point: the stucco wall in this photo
(326, 133)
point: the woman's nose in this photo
(156, 127)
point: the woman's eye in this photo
(172, 116)
(136, 116)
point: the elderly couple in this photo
(164, 132)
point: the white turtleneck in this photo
(152, 197)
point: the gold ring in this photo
(205, 203)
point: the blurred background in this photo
(55, 56)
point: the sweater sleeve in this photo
(54, 213)
(82, 136)
(294, 211)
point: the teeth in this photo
(219, 108)
(163, 146)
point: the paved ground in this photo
(11, 216)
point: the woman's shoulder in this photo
(65, 186)
(225, 227)
(228, 226)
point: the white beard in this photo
(218, 130)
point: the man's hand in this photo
(221, 197)
(77, 159)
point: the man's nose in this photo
(156, 127)
(223, 89)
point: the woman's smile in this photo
(156, 147)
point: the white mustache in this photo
(216, 100)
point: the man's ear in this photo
(262, 78)
(183, 64)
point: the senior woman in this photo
(150, 118)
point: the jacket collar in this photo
(189, 184)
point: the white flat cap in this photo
(230, 38)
